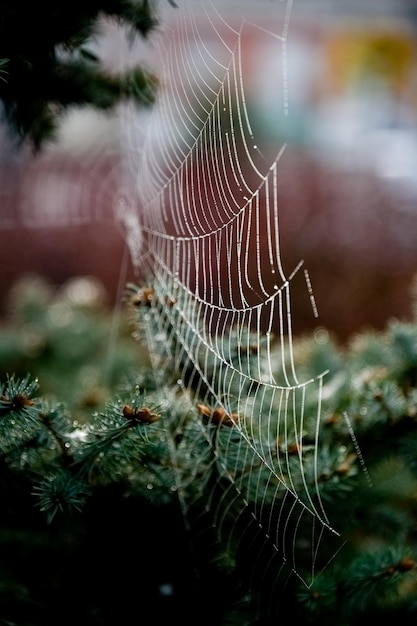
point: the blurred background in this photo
(347, 183)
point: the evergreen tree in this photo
(86, 494)
(47, 64)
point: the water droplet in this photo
(166, 589)
(321, 336)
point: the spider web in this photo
(203, 224)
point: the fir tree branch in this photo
(49, 67)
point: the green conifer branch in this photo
(47, 66)
(163, 444)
